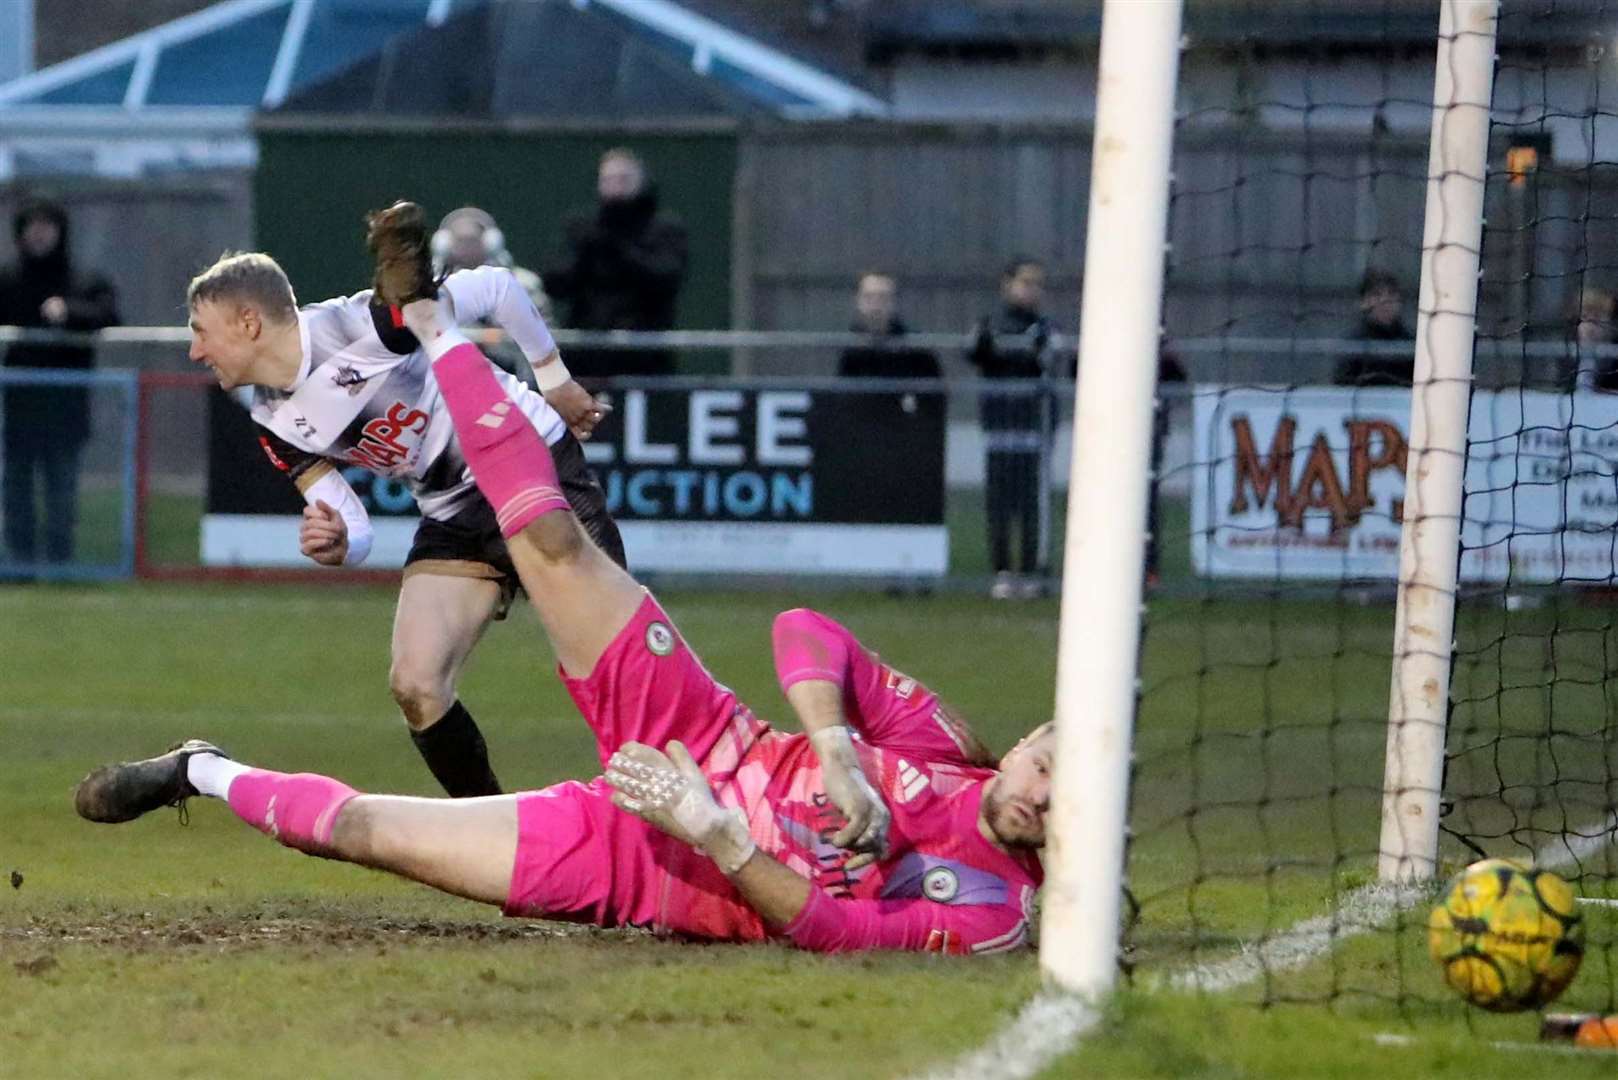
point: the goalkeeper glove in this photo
(670, 792)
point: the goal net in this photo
(1372, 471)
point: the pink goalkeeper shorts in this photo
(649, 687)
(579, 858)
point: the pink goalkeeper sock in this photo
(510, 462)
(298, 809)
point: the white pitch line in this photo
(1394, 1038)
(1362, 910)
(1565, 850)
(1048, 1027)
(1359, 912)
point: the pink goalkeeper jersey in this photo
(942, 887)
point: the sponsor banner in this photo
(855, 550)
(734, 479)
(1309, 483)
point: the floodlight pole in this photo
(1098, 645)
(1429, 545)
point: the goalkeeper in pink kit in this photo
(884, 826)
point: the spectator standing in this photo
(469, 238)
(1011, 344)
(1169, 370)
(46, 426)
(1382, 305)
(622, 269)
(1597, 327)
(876, 303)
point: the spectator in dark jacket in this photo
(1382, 305)
(622, 269)
(876, 302)
(1595, 333)
(46, 426)
(1017, 425)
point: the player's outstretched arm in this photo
(670, 792)
(819, 705)
(887, 708)
(812, 663)
(494, 293)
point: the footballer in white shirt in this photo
(344, 382)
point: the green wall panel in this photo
(312, 191)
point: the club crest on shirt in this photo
(659, 639)
(349, 378)
(940, 884)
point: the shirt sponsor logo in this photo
(382, 447)
(659, 639)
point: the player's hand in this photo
(866, 833)
(579, 410)
(323, 534)
(54, 311)
(670, 792)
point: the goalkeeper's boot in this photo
(123, 792)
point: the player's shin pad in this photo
(300, 810)
(509, 460)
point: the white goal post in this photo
(1097, 652)
(1429, 546)
(1119, 339)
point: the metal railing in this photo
(636, 340)
(146, 367)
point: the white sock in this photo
(211, 774)
(437, 333)
(446, 340)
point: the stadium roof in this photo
(250, 54)
(239, 54)
(182, 95)
(610, 60)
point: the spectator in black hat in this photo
(46, 426)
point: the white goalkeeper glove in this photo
(866, 833)
(670, 792)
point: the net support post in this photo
(1429, 547)
(1098, 645)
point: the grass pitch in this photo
(153, 949)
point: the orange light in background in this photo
(1520, 161)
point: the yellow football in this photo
(1506, 936)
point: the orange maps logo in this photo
(381, 446)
